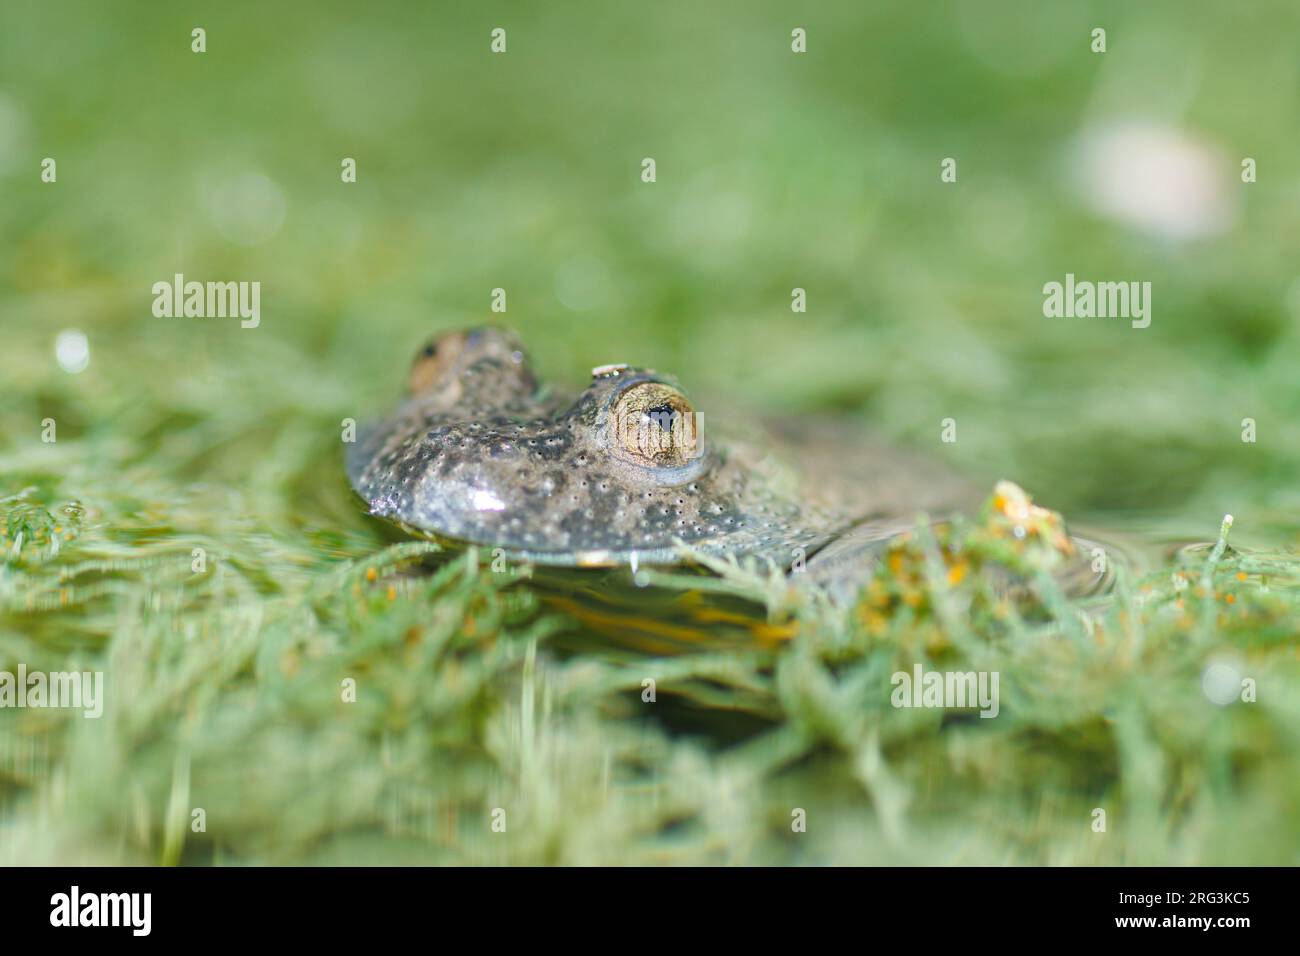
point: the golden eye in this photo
(434, 361)
(654, 424)
(442, 364)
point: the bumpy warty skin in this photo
(489, 457)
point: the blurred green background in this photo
(522, 171)
(775, 171)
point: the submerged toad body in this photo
(481, 453)
(624, 472)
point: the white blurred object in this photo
(1155, 178)
(247, 209)
(72, 351)
(1221, 682)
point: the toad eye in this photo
(446, 359)
(434, 361)
(654, 425)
